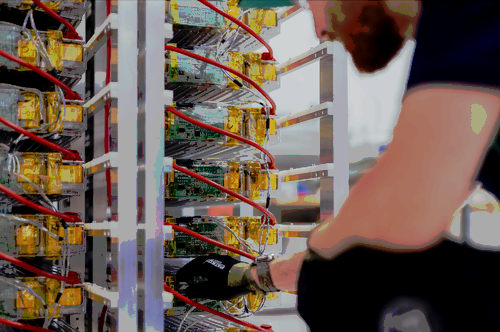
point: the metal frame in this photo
(137, 243)
(333, 116)
(134, 243)
(126, 319)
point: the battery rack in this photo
(175, 114)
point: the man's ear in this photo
(406, 14)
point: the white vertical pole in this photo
(154, 174)
(127, 165)
(340, 127)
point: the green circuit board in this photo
(183, 130)
(193, 13)
(184, 69)
(178, 306)
(184, 245)
(185, 186)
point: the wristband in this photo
(265, 280)
(240, 275)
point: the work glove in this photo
(225, 278)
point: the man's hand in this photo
(216, 269)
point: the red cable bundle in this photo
(70, 94)
(71, 34)
(211, 241)
(223, 132)
(227, 191)
(67, 154)
(229, 69)
(264, 328)
(22, 326)
(265, 56)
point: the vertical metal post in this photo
(326, 136)
(154, 147)
(334, 142)
(340, 127)
(127, 162)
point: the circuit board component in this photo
(178, 306)
(14, 42)
(179, 129)
(21, 237)
(29, 107)
(18, 304)
(38, 173)
(180, 185)
(246, 178)
(183, 245)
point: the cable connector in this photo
(74, 216)
(72, 35)
(75, 278)
(269, 165)
(72, 96)
(73, 156)
(267, 57)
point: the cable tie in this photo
(12, 147)
(268, 202)
(33, 6)
(64, 224)
(45, 307)
(238, 83)
(61, 239)
(54, 73)
(268, 123)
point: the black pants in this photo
(449, 287)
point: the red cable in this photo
(229, 69)
(107, 110)
(227, 191)
(21, 199)
(71, 34)
(102, 319)
(68, 154)
(212, 311)
(72, 279)
(22, 326)
(209, 240)
(223, 132)
(265, 56)
(70, 94)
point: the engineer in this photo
(386, 262)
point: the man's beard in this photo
(374, 49)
